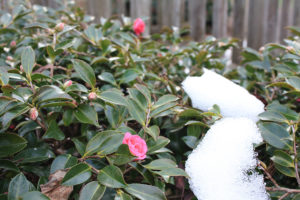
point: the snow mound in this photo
(233, 100)
(222, 167)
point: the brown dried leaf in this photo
(53, 189)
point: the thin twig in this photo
(283, 196)
(268, 175)
(295, 154)
(282, 189)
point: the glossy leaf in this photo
(11, 144)
(8, 165)
(77, 174)
(34, 195)
(85, 72)
(145, 192)
(54, 131)
(28, 60)
(86, 114)
(18, 186)
(111, 176)
(62, 162)
(282, 158)
(92, 191)
(103, 143)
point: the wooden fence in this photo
(255, 22)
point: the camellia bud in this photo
(138, 26)
(9, 58)
(13, 43)
(33, 113)
(290, 49)
(21, 68)
(68, 83)
(92, 96)
(60, 27)
(261, 49)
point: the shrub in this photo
(70, 93)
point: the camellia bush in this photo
(96, 111)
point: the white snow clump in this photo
(222, 167)
(233, 100)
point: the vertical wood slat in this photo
(239, 11)
(170, 10)
(296, 13)
(256, 23)
(197, 18)
(220, 18)
(271, 33)
(99, 8)
(119, 7)
(141, 8)
(286, 18)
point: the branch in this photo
(294, 128)
(268, 174)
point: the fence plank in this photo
(271, 33)
(170, 10)
(297, 13)
(197, 18)
(99, 8)
(220, 18)
(239, 11)
(141, 8)
(256, 23)
(286, 18)
(119, 7)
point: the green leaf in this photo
(122, 196)
(11, 144)
(85, 72)
(161, 164)
(155, 112)
(34, 195)
(122, 155)
(8, 165)
(92, 191)
(54, 131)
(28, 59)
(158, 144)
(282, 158)
(145, 192)
(285, 170)
(153, 131)
(62, 162)
(80, 146)
(86, 114)
(275, 135)
(272, 116)
(68, 117)
(18, 186)
(31, 155)
(294, 81)
(136, 112)
(190, 141)
(296, 197)
(12, 114)
(164, 100)
(172, 172)
(107, 77)
(111, 176)
(77, 174)
(145, 91)
(105, 142)
(113, 97)
(138, 98)
(129, 76)
(49, 93)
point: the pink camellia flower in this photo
(138, 26)
(9, 58)
(33, 113)
(92, 96)
(60, 27)
(13, 43)
(137, 145)
(298, 100)
(21, 68)
(68, 83)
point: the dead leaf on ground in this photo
(53, 189)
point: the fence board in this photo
(197, 18)
(239, 11)
(99, 8)
(286, 18)
(256, 23)
(141, 8)
(170, 12)
(220, 18)
(297, 13)
(271, 33)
